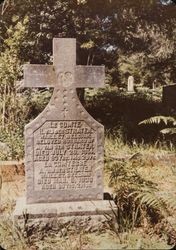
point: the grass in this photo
(10, 236)
(154, 162)
(108, 240)
(115, 145)
(143, 180)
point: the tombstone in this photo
(153, 85)
(169, 96)
(64, 153)
(130, 87)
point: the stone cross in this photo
(64, 144)
(130, 87)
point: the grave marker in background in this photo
(130, 87)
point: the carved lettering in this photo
(64, 156)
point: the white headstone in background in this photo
(130, 87)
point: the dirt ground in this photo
(13, 182)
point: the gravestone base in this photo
(131, 92)
(64, 217)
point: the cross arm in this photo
(89, 76)
(39, 76)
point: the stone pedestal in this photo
(86, 216)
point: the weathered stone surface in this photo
(63, 218)
(64, 144)
(62, 209)
(39, 76)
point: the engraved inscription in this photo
(64, 156)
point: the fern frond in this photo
(150, 199)
(170, 131)
(170, 200)
(155, 199)
(158, 119)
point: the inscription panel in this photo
(65, 154)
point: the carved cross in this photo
(64, 73)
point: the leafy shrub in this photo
(119, 110)
(140, 202)
(167, 120)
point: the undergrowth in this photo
(137, 175)
(142, 180)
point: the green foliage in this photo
(159, 119)
(15, 144)
(129, 37)
(153, 198)
(36, 102)
(12, 104)
(125, 181)
(119, 111)
(167, 120)
(141, 202)
(16, 108)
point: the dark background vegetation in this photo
(135, 37)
